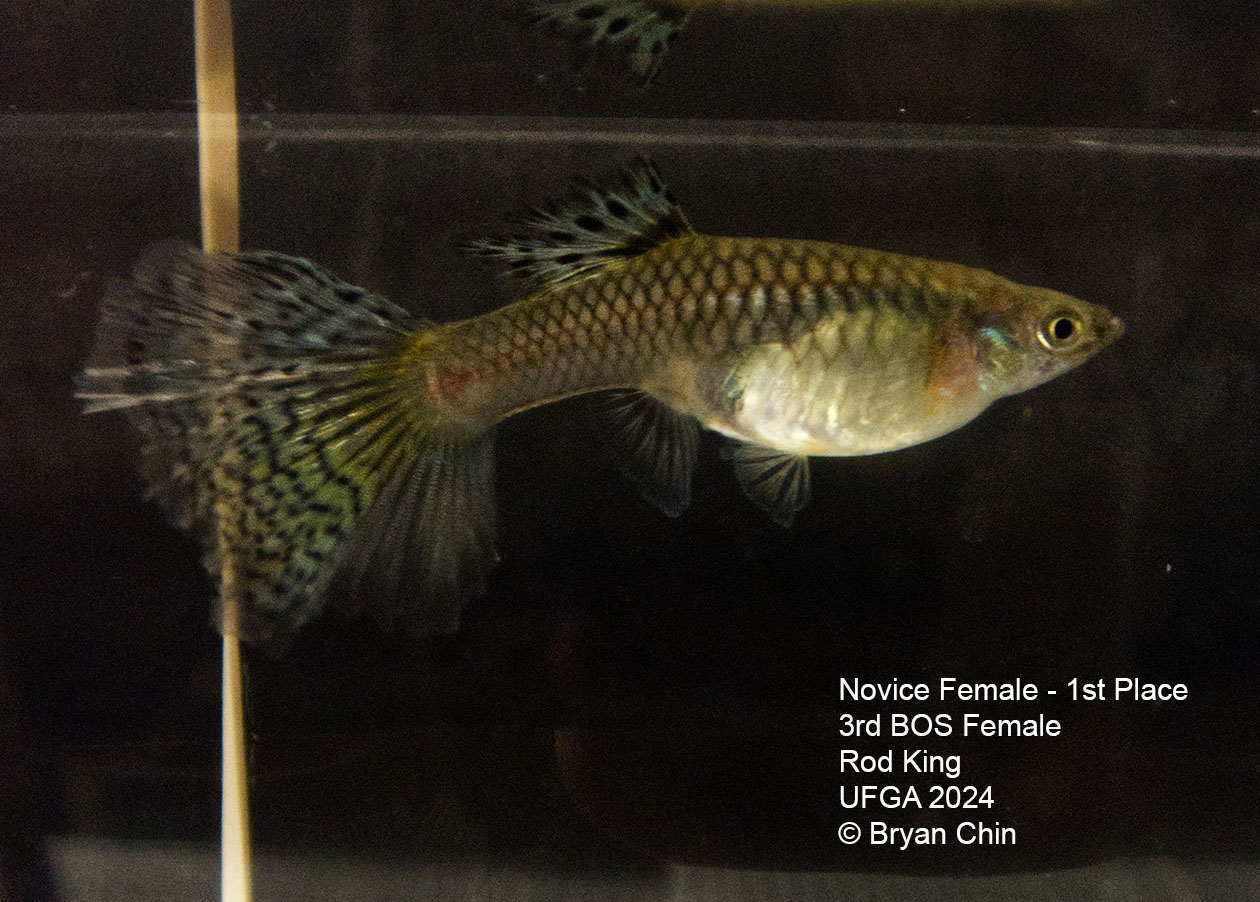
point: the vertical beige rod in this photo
(216, 126)
(220, 231)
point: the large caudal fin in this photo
(283, 426)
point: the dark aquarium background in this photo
(646, 708)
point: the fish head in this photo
(1025, 336)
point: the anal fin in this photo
(654, 444)
(776, 482)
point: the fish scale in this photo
(695, 295)
(335, 445)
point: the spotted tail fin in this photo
(632, 34)
(283, 424)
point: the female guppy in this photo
(312, 429)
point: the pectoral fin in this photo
(655, 446)
(778, 483)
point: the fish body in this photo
(344, 436)
(804, 346)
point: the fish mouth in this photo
(1109, 329)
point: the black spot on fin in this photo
(633, 35)
(571, 239)
(778, 483)
(654, 445)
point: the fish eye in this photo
(1060, 331)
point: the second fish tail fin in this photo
(286, 424)
(634, 34)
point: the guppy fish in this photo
(310, 428)
(635, 34)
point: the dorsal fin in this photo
(571, 239)
(633, 35)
